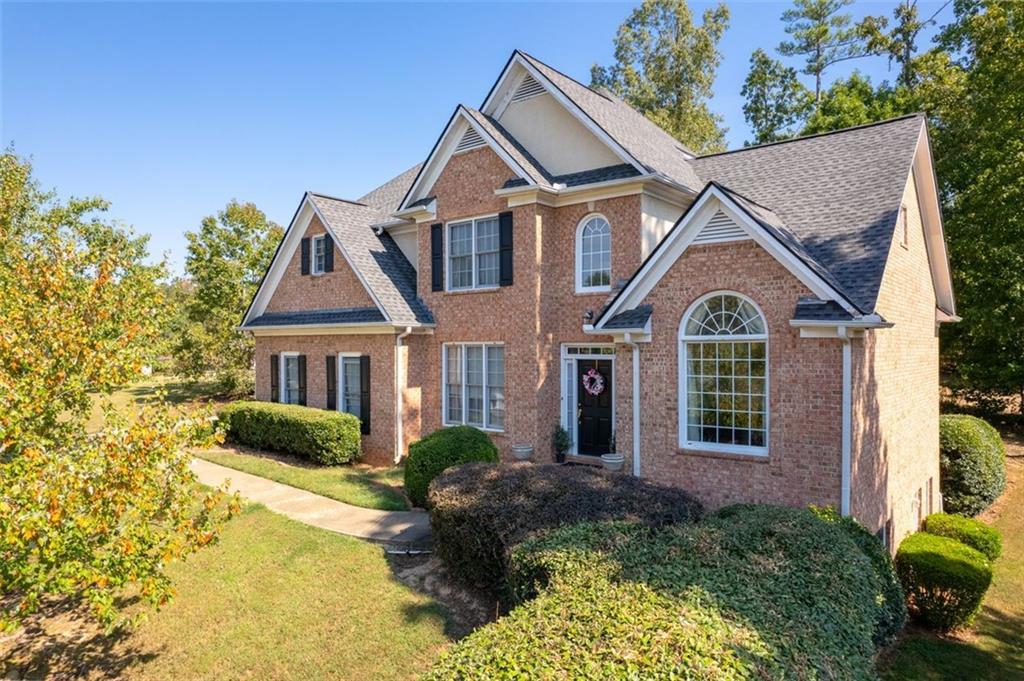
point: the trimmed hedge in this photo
(327, 437)
(752, 592)
(891, 604)
(973, 463)
(974, 533)
(945, 580)
(442, 449)
(478, 513)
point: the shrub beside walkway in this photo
(403, 529)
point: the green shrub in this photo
(440, 450)
(973, 462)
(891, 605)
(974, 533)
(751, 592)
(944, 579)
(478, 513)
(327, 437)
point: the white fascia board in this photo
(927, 187)
(289, 242)
(322, 329)
(685, 231)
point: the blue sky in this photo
(170, 110)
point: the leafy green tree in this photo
(775, 100)
(665, 68)
(976, 101)
(899, 42)
(227, 257)
(823, 34)
(854, 101)
(96, 517)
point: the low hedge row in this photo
(974, 533)
(973, 464)
(327, 437)
(479, 512)
(751, 592)
(945, 580)
(443, 449)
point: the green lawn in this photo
(357, 485)
(131, 397)
(994, 646)
(274, 599)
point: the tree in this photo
(665, 68)
(899, 43)
(823, 35)
(775, 99)
(92, 516)
(854, 101)
(227, 257)
(976, 102)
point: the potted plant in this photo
(522, 452)
(561, 443)
(612, 461)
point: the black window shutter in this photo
(332, 381)
(302, 380)
(437, 257)
(505, 245)
(304, 259)
(364, 393)
(275, 376)
(328, 253)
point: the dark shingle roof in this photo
(630, 319)
(654, 148)
(377, 259)
(389, 195)
(340, 315)
(838, 194)
(605, 174)
(812, 309)
(512, 147)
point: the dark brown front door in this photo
(594, 412)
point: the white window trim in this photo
(465, 402)
(580, 288)
(448, 255)
(569, 372)
(312, 255)
(339, 368)
(282, 381)
(683, 339)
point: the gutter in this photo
(847, 423)
(628, 340)
(399, 435)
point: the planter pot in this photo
(522, 452)
(613, 462)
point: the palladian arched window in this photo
(593, 255)
(723, 388)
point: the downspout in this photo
(399, 439)
(847, 425)
(636, 403)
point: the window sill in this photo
(493, 431)
(749, 457)
(482, 289)
(593, 291)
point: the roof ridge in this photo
(746, 198)
(338, 198)
(564, 75)
(916, 114)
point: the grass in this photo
(131, 397)
(274, 599)
(993, 648)
(357, 485)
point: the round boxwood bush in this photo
(752, 592)
(944, 579)
(478, 513)
(327, 437)
(973, 462)
(974, 533)
(440, 450)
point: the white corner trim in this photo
(682, 235)
(847, 426)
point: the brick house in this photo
(756, 325)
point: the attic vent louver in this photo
(471, 140)
(527, 89)
(720, 228)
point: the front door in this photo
(594, 406)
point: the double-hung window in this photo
(473, 252)
(351, 385)
(319, 254)
(474, 385)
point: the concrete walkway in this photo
(401, 529)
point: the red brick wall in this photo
(340, 288)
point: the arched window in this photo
(593, 255)
(723, 375)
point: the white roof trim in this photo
(681, 236)
(289, 243)
(460, 121)
(508, 82)
(931, 217)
